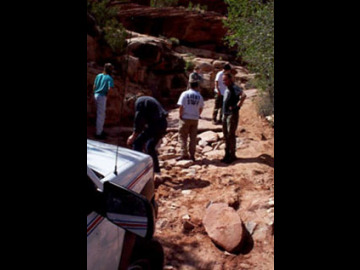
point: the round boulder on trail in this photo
(224, 226)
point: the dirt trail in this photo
(247, 184)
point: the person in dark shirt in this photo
(149, 126)
(234, 97)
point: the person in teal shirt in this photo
(102, 84)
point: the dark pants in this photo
(218, 106)
(147, 140)
(230, 124)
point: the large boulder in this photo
(224, 226)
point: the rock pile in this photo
(188, 194)
(210, 144)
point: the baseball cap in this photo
(194, 77)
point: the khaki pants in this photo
(188, 128)
(218, 106)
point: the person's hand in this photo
(130, 140)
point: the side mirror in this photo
(128, 210)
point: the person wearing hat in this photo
(150, 125)
(196, 75)
(191, 105)
(102, 85)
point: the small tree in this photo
(105, 16)
(250, 26)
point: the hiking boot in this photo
(225, 159)
(231, 159)
(228, 161)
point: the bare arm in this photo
(217, 87)
(139, 123)
(242, 99)
(132, 138)
(181, 112)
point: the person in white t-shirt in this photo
(219, 93)
(191, 105)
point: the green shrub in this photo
(105, 16)
(196, 7)
(174, 41)
(189, 65)
(115, 36)
(251, 31)
(264, 104)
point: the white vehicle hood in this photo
(132, 166)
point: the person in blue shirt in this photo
(102, 85)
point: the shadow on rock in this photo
(181, 254)
(263, 159)
(215, 162)
(245, 246)
(188, 183)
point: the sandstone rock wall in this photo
(202, 30)
(213, 5)
(153, 63)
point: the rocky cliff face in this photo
(197, 29)
(153, 62)
(213, 5)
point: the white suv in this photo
(121, 209)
